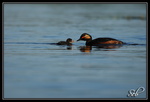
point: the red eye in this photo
(83, 37)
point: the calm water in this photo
(35, 69)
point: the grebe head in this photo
(85, 37)
(69, 40)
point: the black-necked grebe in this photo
(69, 41)
(89, 42)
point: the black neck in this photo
(88, 40)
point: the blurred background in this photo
(34, 69)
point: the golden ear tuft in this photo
(87, 37)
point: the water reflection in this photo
(69, 47)
(99, 47)
(85, 48)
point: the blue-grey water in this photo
(34, 68)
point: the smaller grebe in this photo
(69, 41)
(89, 42)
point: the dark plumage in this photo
(69, 41)
(95, 42)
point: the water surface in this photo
(35, 68)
